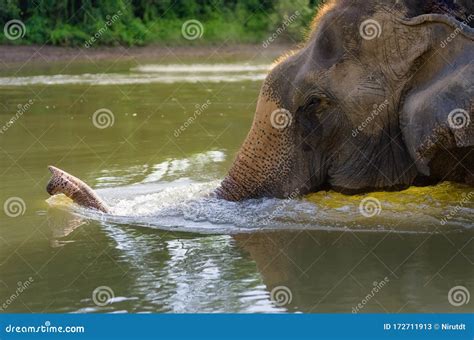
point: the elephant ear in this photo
(437, 114)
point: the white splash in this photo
(170, 196)
(187, 206)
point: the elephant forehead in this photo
(357, 87)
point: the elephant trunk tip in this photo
(52, 187)
(232, 190)
(62, 182)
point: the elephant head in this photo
(379, 98)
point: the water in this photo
(147, 74)
(169, 247)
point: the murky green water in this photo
(169, 248)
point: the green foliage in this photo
(138, 22)
(300, 10)
(67, 35)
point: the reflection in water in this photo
(61, 224)
(202, 68)
(147, 74)
(126, 79)
(334, 272)
(324, 271)
(168, 170)
(169, 274)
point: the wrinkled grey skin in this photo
(332, 85)
(360, 114)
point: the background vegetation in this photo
(73, 22)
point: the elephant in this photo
(378, 98)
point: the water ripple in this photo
(147, 74)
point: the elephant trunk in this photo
(63, 183)
(262, 164)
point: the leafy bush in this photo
(140, 22)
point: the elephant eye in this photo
(313, 105)
(316, 104)
(313, 102)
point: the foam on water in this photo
(147, 74)
(188, 206)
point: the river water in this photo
(154, 137)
